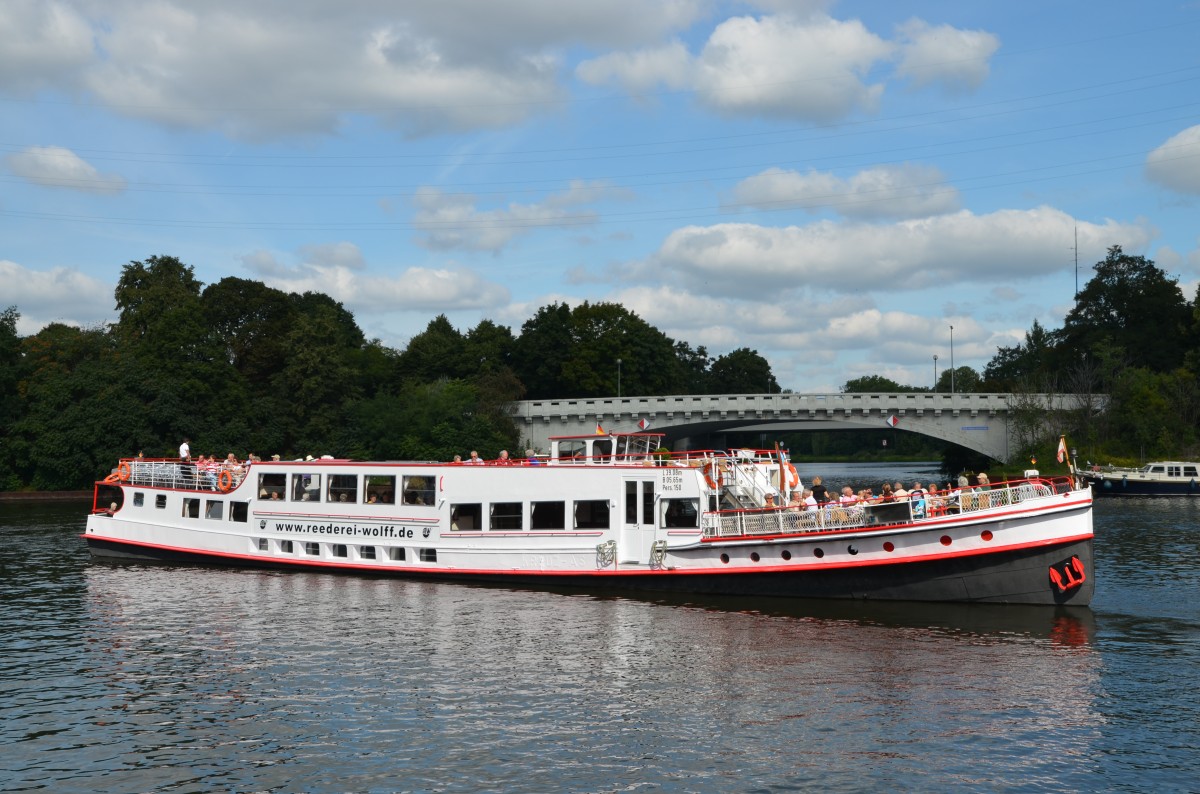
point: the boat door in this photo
(637, 522)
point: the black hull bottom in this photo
(1017, 577)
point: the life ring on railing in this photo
(225, 481)
(714, 475)
(112, 478)
(123, 471)
(793, 477)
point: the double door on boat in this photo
(637, 521)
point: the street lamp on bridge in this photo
(618, 378)
(935, 372)
(952, 359)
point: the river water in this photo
(128, 677)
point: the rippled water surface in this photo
(126, 677)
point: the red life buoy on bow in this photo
(225, 481)
(123, 471)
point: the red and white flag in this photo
(893, 420)
(1062, 448)
(644, 424)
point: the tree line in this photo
(241, 367)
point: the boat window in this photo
(285, 546)
(160, 501)
(592, 514)
(647, 503)
(572, 451)
(681, 513)
(1190, 471)
(366, 552)
(214, 509)
(191, 508)
(396, 554)
(306, 487)
(631, 503)
(465, 518)
(339, 550)
(418, 491)
(548, 515)
(427, 555)
(1154, 469)
(139, 499)
(602, 449)
(239, 511)
(262, 544)
(313, 548)
(1173, 471)
(380, 489)
(272, 486)
(343, 487)
(506, 515)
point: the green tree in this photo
(1026, 363)
(1133, 305)
(873, 384)
(742, 371)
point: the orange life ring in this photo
(714, 477)
(225, 481)
(112, 478)
(793, 476)
(123, 471)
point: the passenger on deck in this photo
(457, 461)
(885, 494)
(848, 497)
(797, 500)
(531, 458)
(899, 492)
(810, 501)
(185, 452)
(207, 469)
(503, 460)
(769, 502)
(474, 460)
(818, 491)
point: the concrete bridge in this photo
(993, 424)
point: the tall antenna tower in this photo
(1076, 250)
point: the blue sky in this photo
(831, 184)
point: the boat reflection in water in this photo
(299, 670)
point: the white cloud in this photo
(901, 191)
(741, 259)
(785, 68)
(54, 166)
(669, 64)
(280, 68)
(1176, 163)
(453, 221)
(60, 294)
(943, 55)
(428, 290)
(44, 45)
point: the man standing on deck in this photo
(185, 452)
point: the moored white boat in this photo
(1160, 478)
(606, 512)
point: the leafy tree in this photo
(437, 352)
(1133, 305)
(249, 323)
(965, 380)
(1024, 363)
(742, 371)
(692, 367)
(873, 383)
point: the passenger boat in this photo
(606, 511)
(1161, 478)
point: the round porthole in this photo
(986, 534)
(725, 558)
(889, 546)
(754, 556)
(945, 540)
(787, 555)
(818, 553)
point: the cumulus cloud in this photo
(424, 289)
(943, 55)
(62, 295)
(1176, 163)
(54, 166)
(295, 67)
(901, 191)
(453, 221)
(43, 45)
(743, 259)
